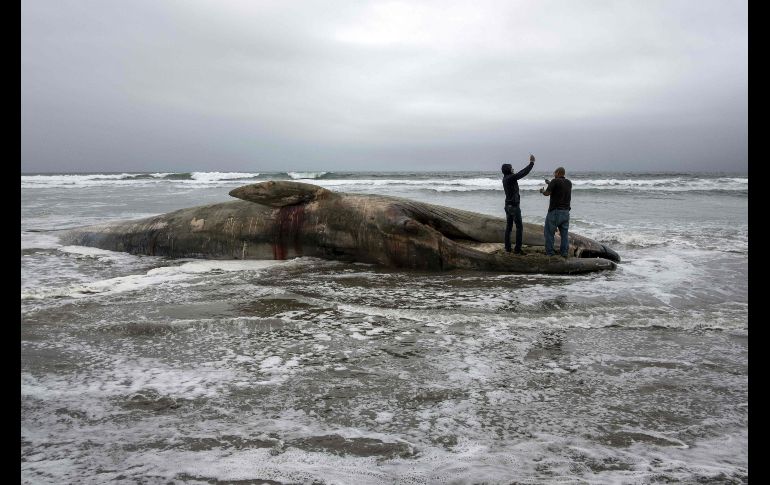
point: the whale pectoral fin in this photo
(457, 223)
(279, 193)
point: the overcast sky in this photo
(256, 85)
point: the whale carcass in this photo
(284, 219)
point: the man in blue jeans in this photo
(512, 200)
(560, 190)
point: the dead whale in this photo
(284, 219)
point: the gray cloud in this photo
(595, 85)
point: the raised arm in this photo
(524, 171)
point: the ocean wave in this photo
(667, 185)
(131, 179)
(307, 175)
(480, 184)
(635, 239)
(75, 179)
(219, 176)
(176, 176)
(426, 182)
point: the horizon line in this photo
(77, 172)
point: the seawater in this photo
(140, 369)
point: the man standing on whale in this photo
(560, 191)
(512, 200)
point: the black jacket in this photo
(511, 186)
(560, 190)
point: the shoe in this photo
(564, 256)
(519, 252)
(507, 250)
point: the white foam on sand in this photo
(384, 417)
(475, 456)
(100, 254)
(95, 391)
(166, 275)
(539, 459)
(39, 240)
(277, 369)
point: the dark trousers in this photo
(513, 216)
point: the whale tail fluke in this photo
(602, 252)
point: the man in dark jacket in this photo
(560, 190)
(512, 200)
